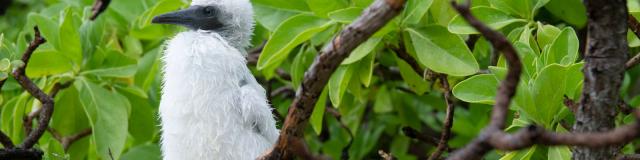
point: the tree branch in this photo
(605, 57)
(98, 7)
(634, 25)
(6, 141)
(46, 100)
(19, 153)
(68, 140)
(448, 122)
(374, 18)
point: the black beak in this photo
(184, 17)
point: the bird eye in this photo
(209, 11)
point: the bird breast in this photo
(201, 107)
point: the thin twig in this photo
(634, 25)
(98, 7)
(68, 140)
(635, 60)
(6, 141)
(338, 116)
(448, 123)
(32, 88)
(385, 155)
(28, 120)
(316, 78)
(19, 153)
(571, 104)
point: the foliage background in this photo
(114, 65)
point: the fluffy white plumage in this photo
(212, 107)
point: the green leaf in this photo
(560, 153)
(564, 49)
(338, 84)
(443, 52)
(45, 62)
(270, 17)
(416, 9)
(297, 5)
(413, 79)
(365, 69)
(477, 89)
(301, 62)
(147, 152)
(322, 8)
(118, 72)
(108, 112)
(48, 29)
(346, 15)
(317, 116)
(494, 18)
(548, 91)
(70, 46)
(526, 154)
(546, 34)
(383, 103)
(523, 8)
(163, 6)
(571, 11)
(5, 64)
(288, 35)
(363, 50)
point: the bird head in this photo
(232, 19)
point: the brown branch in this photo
(28, 120)
(19, 153)
(374, 18)
(6, 141)
(624, 107)
(32, 88)
(634, 25)
(98, 7)
(412, 133)
(385, 155)
(448, 123)
(479, 147)
(68, 140)
(572, 105)
(606, 53)
(633, 62)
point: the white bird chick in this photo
(212, 107)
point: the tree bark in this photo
(603, 72)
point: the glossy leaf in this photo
(317, 116)
(108, 113)
(338, 84)
(571, 11)
(564, 49)
(288, 35)
(322, 8)
(494, 18)
(363, 50)
(477, 89)
(442, 51)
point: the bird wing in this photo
(256, 110)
